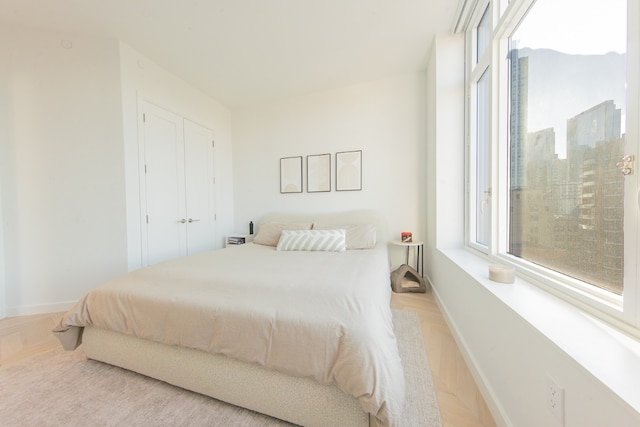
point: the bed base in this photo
(297, 400)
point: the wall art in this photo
(291, 174)
(318, 173)
(349, 171)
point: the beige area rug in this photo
(59, 388)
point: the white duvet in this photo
(324, 315)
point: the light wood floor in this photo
(460, 401)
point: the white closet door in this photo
(198, 148)
(164, 185)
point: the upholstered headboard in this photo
(336, 218)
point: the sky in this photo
(576, 26)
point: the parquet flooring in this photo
(461, 403)
(25, 336)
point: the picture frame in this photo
(291, 175)
(319, 173)
(349, 170)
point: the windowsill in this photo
(610, 356)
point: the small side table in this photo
(419, 245)
(237, 239)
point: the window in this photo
(480, 76)
(566, 138)
(483, 176)
(553, 111)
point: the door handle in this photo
(182, 221)
(193, 220)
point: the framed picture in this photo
(349, 171)
(291, 174)
(318, 173)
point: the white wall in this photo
(69, 162)
(3, 287)
(514, 337)
(4, 138)
(144, 79)
(62, 168)
(384, 119)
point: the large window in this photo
(553, 120)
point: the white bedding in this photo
(324, 315)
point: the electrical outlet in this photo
(555, 400)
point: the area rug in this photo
(59, 388)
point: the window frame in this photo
(623, 311)
(478, 67)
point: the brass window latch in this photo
(626, 165)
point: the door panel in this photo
(177, 187)
(164, 185)
(198, 187)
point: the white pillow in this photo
(359, 236)
(269, 232)
(312, 240)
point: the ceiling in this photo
(243, 52)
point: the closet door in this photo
(199, 185)
(163, 186)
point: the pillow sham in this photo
(312, 240)
(359, 236)
(269, 232)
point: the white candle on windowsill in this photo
(501, 273)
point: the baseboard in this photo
(28, 310)
(496, 409)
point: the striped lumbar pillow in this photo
(312, 240)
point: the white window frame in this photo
(623, 312)
(476, 69)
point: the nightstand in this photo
(237, 239)
(419, 256)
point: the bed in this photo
(284, 326)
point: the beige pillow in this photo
(269, 232)
(359, 236)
